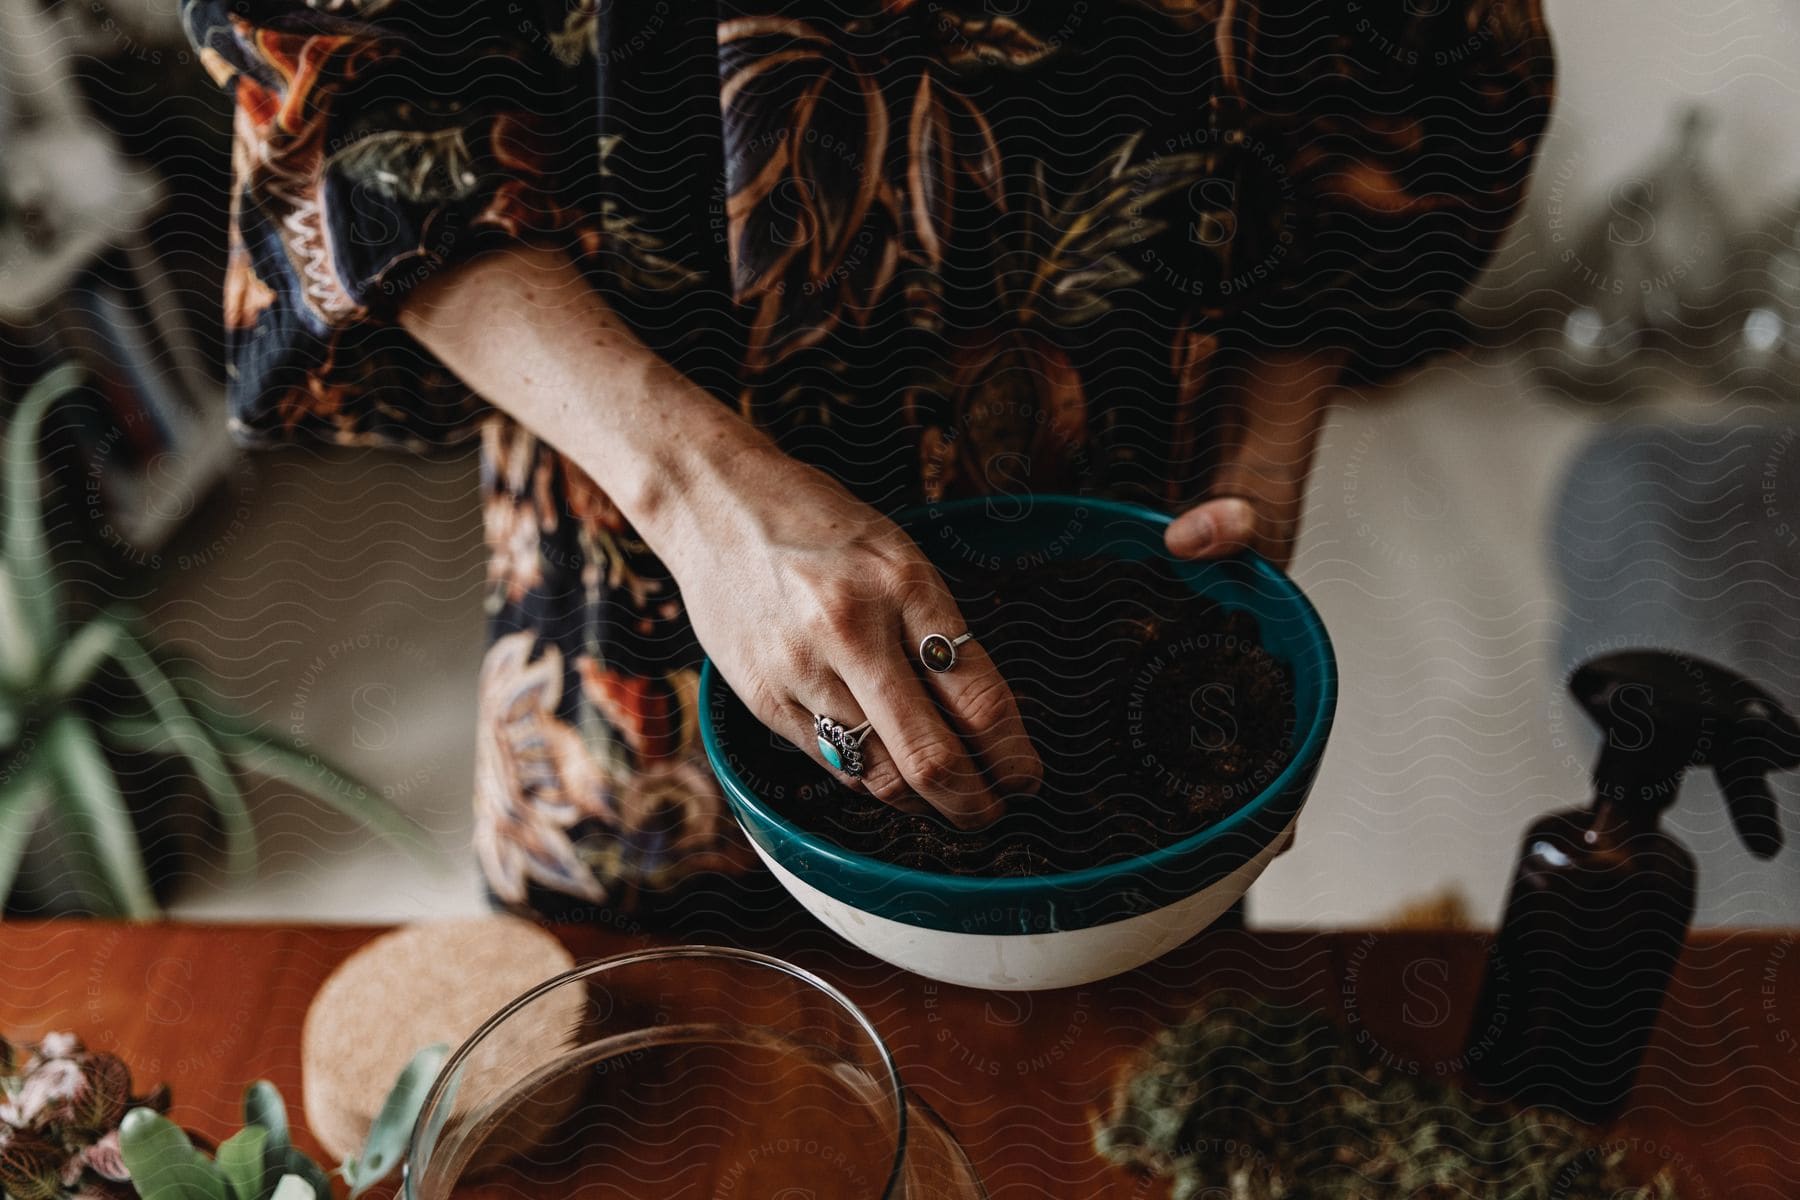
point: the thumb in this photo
(1216, 528)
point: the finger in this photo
(795, 723)
(1259, 489)
(978, 699)
(843, 709)
(922, 752)
(1215, 528)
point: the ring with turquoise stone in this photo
(840, 746)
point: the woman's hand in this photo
(1255, 501)
(808, 600)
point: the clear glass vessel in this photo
(687, 1072)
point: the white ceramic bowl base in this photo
(1025, 962)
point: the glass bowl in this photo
(686, 1072)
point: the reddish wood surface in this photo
(1016, 1076)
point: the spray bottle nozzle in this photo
(1661, 712)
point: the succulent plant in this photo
(71, 1129)
(259, 1162)
(60, 1121)
(70, 692)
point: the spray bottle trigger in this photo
(1752, 806)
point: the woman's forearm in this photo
(806, 599)
(524, 330)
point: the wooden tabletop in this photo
(1016, 1076)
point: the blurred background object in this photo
(91, 238)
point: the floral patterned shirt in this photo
(936, 249)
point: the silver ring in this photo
(841, 746)
(938, 652)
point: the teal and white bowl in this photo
(1058, 930)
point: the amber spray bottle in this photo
(1602, 897)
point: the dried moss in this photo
(1252, 1101)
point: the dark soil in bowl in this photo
(1156, 711)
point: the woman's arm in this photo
(807, 599)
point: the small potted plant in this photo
(71, 1129)
(94, 728)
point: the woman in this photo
(719, 286)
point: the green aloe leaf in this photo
(12, 720)
(307, 772)
(18, 644)
(22, 801)
(257, 749)
(142, 734)
(79, 658)
(188, 736)
(386, 1144)
(164, 1165)
(93, 810)
(240, 1160)
(81, 885)
(292, 1187)
(28, 599)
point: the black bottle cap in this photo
(1662, 712)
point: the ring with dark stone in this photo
(839, 745)
(938, 652)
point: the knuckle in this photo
(897, 692)
(808, 674)
(765, 698)
(883, 779)
(913, 568)
(836, 614)
(988, 705)
(933, 769)
(795, 674)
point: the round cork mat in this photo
(426, 983)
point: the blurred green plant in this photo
(71, 691)
(259, 1162)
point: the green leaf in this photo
(240, 1160)
(19, 647)
(12, 720)
(388, 1136)
(142, 734)
(266, 1110)
(164, 1165)
(259, 749)
(80, 878)
(94, 811)
(308, 773)
(295, 1163)
(292, 1187)
(32, 576)
(191, 739)
(79, 658)
(22, 800)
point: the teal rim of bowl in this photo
(895, 892)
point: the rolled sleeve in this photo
(1398, 141)
(375, 143)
